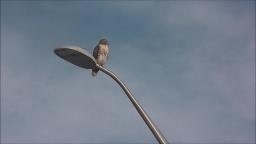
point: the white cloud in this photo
(193, 74)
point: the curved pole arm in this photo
(156, 132)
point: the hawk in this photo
(100, 53)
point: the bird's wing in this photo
(107, 52)
(95, 52)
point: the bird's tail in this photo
(94, 71)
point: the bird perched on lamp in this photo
(100, 53)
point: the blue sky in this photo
(191, 65)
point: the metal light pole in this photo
(82, 58)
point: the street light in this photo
(84, 59)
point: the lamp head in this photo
(77, 56)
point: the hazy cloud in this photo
(191, 65)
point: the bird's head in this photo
(103, 41)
